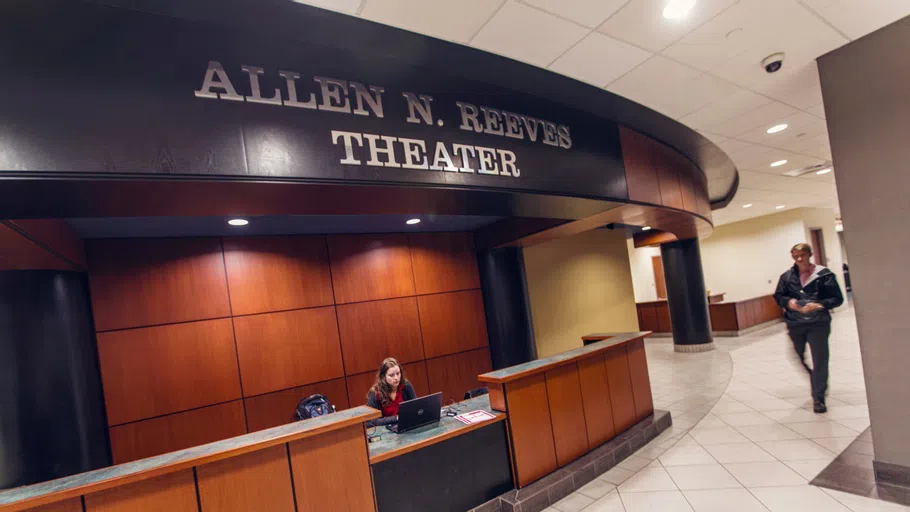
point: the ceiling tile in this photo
(345, 6)
(711, 116)
(818, 110)
(801, 89)
(453, 21)
(527, 34)
(670, 87)
(766, 115)
(641, 22)
(599, 60)
(713, 137)
(857, 18)
(589, 13)
(797, 123)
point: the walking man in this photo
(808, 292)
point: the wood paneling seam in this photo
(239, 399)
(344, 370)
(227, 285)
(196, 485)
(25, 234)
(166, 324)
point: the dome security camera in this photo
(772, 63)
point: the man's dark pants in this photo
(816, 335)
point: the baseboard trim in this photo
(691, 349)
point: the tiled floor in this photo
(744, 437)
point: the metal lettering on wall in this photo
(334, 95)
(167, 96)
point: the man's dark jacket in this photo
(822, 288)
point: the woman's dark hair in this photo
(380, 387)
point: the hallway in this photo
(744, 436)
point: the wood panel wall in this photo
(205, 338)
(40, 244)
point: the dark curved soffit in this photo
(365, 38)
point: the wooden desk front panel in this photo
(567, 413)
(595, 394)
(641, 382)
(256, 482)
(174, 492)
(70, 505)
(532, 431)
(620, 380)
(332, 472)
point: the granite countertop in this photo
(393, 444)
(98, 479)
(541, 365)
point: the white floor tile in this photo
(724, 500)
(808, 469)
(710, 421)
(596, 488)
(857, 424)
(609, 503)
(770, 404)
(821, 429)
(721, 435)
(795, 416)
(573, 503)
(835, 444)
(686, 455)
(666, 501)
(738, 452)
(765, 474)
(650, 479)
(797, 449)
(758, 433)
(797, 499)
(689, 478)
(745, 419)
(728, 406)
(616, 475)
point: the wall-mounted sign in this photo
(147, 94)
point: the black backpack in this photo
(313, 406)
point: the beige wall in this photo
(745, 259)
(865, 86)
(579, 285)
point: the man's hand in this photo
(812, 307)
(794, 305)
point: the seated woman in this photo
(389, 390)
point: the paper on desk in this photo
(474, 417)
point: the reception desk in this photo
(589, 407)
(561, 407)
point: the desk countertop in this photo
(392, 444)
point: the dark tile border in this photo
(855, 471)
(575, 475)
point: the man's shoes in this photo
(819, 407)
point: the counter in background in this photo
(271, 470)
(444, 467)
(732, 318)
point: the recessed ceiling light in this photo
(747, 205)
(778, 163)
(777, 128)
(413, 221)
(676, 9)
(780, 207)
(646, 228)
(238, 222)
(824, 171)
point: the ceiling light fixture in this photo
(413, 221)
(824, 171)
(780, 207)
(646, 228)
(778, 163)
(238, 222)
(747, 205)
(676, 9)
(777, 128)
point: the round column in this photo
(52, 417)
(686, 296)
(505, 301)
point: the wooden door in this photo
(818, 247)
(658, 265)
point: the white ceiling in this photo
(703, 70)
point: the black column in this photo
(52, 417)
(686, 296)
(505, 300)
